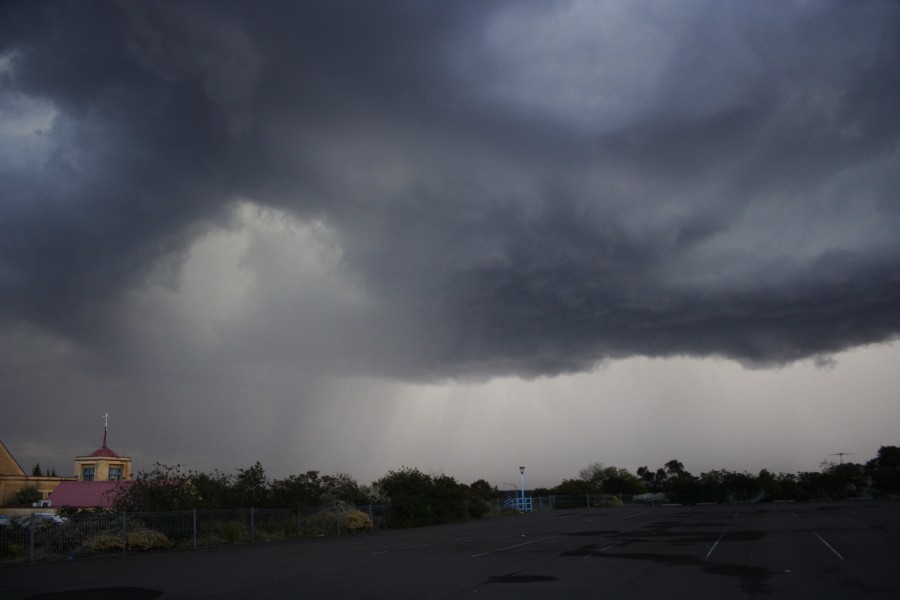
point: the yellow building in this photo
(100, 465)
(13, 478)
(103, 465)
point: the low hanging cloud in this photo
(433, 190)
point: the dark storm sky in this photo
(210, 212)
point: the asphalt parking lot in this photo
(828, 550)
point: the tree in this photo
(251, 487)
(28, 495)
(420, 499)
(680, 485)
(652, 481)
(612, 480)
(341, 488)
(847, 480)
(674, 468)
(479, 498)
(36, 471)
(885, 470)
(448, 499)
(165, 488)
(409, 491)
(213, 490)
(298, 490)
(575, 487)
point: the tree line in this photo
(419, 498)
(879, 476)
(416, 498)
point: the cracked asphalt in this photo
(815, 550)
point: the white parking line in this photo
(513, 546)
(600, 550)
(633, 516)
(836, 553)
(401, 549)
(714, 545)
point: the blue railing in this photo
(519, 503)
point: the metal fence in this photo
(47, 536)
(58, 537)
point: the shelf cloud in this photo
(430, 191)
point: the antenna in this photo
(842, 455)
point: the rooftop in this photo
(85, 494)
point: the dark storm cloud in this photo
(515, 198)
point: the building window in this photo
(87, 473)
(115, 473)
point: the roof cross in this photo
(105, 427)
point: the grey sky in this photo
(351, 235)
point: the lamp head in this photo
(522, 470)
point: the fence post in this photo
(124, 533)
(371, 516)
(299, 522)
(195, 527)
(252, 525)
(337, 518)
(588, 499)
(31, 538)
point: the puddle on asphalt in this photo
(751, 579)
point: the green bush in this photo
(478, 508)
(356, 520)
(16, 550)
(137, 539)
(233, 531)
(319, 523)
(28, 495)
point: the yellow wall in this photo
(13, 479)
(10, 484)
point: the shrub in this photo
(356, 520)
(233, 531)
(318, 524)
(16, 550)
(478, 508)
(28, 495)
(137, 539)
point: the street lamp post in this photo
(522, 472)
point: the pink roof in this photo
(85, 494)
(104, 451)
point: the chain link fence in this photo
(47, 536)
